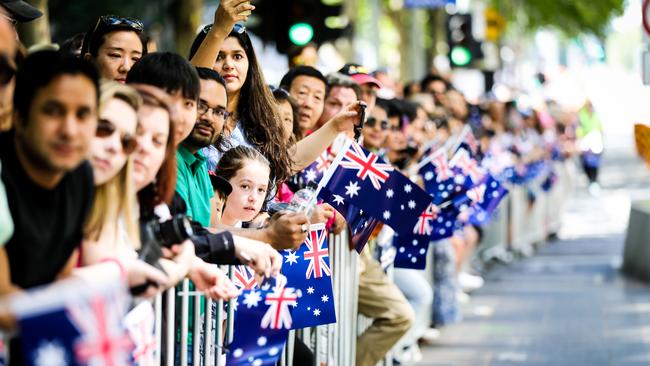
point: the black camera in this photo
(155, 235)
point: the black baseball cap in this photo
(21, 10)
(220, 184)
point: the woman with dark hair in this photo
(114, 45)
(289, 113)
(255, 120)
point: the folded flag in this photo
(243, 278)
(361, 224)
(308, 271)
(262, 323)
(74, 323)
(370, 184)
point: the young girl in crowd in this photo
(248, 173)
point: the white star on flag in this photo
(352, 189)
(428, 176)
(316, 312)
(292, 258)
(386, 215)
(338, 199)
(310, 175)
(411, 204)
(390, 193)
(252, 299)
(310, 290)
(325, 298)
(50, 354)
(408, 188)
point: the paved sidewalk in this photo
(566, 305)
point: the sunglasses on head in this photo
(106, 129)
(238, 28)
(372, 122)
(114, 20)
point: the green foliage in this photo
(572, 17)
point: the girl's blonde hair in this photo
(116, 199)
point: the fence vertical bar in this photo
(207, 330)
(169, 331)
(219, 334)
(158, 327)
(185, 309)
(196, 338)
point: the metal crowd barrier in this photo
(333, 344)
(518, 227)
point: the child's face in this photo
(249, 188)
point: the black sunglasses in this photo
(372, 122)
(238, 28)
(109, 21)
(106, 129)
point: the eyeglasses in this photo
(11, 20)
(106, 129)
(219, 112)
(238, 28)
(372, 122)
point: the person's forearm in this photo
(309, 148)
(207, 53)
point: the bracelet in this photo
(123, 273)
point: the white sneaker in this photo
(469, 283)
(594, 189)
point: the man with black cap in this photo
(18, 11)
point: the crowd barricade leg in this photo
(517, 218)
(184, 320)
(169, 333)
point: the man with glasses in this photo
(193, 181)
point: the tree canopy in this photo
(571, 17)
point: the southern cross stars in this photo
(338, 199)
(310, 175)
(310, 290)
(408, 188)
(292, 258)
(390, 193)
(252, 298)
(386, 215)
(324, 298)
(411, 204)
(352, 189)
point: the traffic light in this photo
(297, 22)
(464, 50)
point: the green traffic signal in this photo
(301, 33)
(460, 56)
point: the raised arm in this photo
(228, 13)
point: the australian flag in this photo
(243, 278)
(262, 324)
(440, 180)
(370, 184)
(308, 271)
(311, 175)
(361, 224)
(67, 325)
(465, 165)
(140, 324)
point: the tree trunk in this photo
(36, 31)
(186, 17)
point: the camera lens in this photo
(174, 231)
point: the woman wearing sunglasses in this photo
(111, 229)
(375, 131)
(114, 44)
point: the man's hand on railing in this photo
(259, 256)
(209, 279)
(287, 230)
(139, 273)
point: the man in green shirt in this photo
(193, 181)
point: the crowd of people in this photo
(102, 140)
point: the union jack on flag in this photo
(311, 276)
(441, 163)
(467, 165)
(244, 278)
(367, 165)
(424, 224)
(316, 254)
(278, 315)
(140, 324)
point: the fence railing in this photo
(516, 228)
